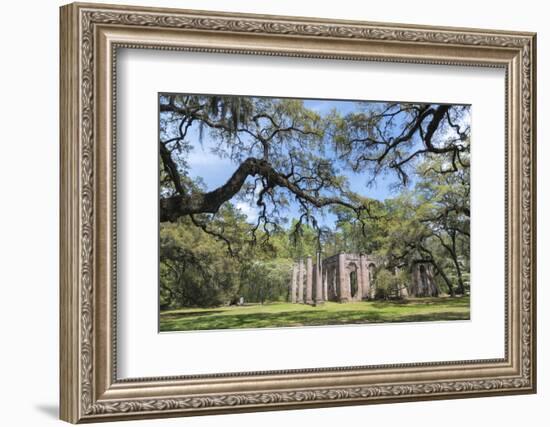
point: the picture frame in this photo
(91, 35)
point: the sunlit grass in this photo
(330, 313)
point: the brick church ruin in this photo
(348, 277)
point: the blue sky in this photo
(214, 171)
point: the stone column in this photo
(364, 276)
(313, 279)
(343, 279)
(325, 285)
(319, 281)
(309, 280)
(372, 289)
(359, 277)
(294, 283)
(334, 283)
(301, 281)
(359, 294)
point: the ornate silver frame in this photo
(90, 36)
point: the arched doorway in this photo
(352, 270)
(333, 285)
(372, 268)
(353, 283)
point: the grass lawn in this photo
(331, 313)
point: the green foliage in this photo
(196, 269)
(388, 284)
(431, 224)
(266, 280)
(192, 272)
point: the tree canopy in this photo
(295, 164)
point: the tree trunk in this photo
(439, 270)
(457, 266)
(452, 253)
(445, 278)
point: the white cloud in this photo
(249, 210)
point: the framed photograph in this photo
(266, 213)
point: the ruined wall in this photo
(342, 277)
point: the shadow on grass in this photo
(264, 320)
(434, 317)
(419, 302)
(176, 315)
